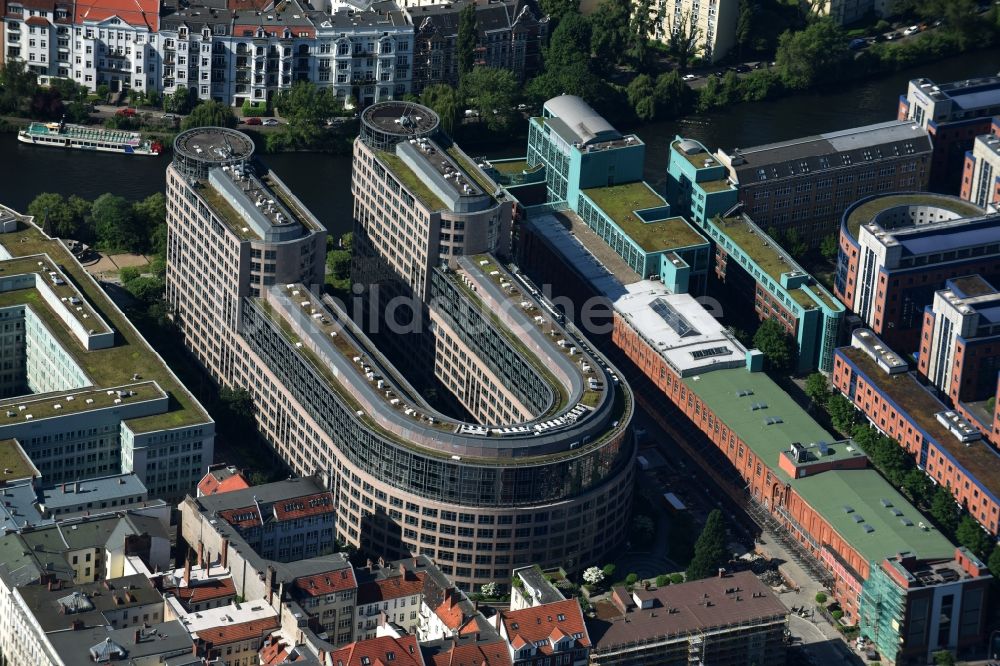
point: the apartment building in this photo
(956, 353)
(953, 114)
(981, 176)
(443, 206)
(946, 442)
(478, 496)
(91, 398)
(546, 634)
(712, 25)
(235, 52)
(49, 573)
(510, 35)
(759, 271)
(896, 250)
(730, 619)
(262, 236)
(805, 184)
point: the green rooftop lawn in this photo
(411, 181)
(828, 299)
(511, 167)
(802, 298)
(106, 367)
(12, 458)
(226, 213)
(474, 172)
(768, 257)
(711, 186)
(864, 213)
(827, 492)
(63, 291)
(619, 201)
(903, 389)
(697, 160)
(44, 406)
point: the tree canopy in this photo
(466, 41)
(710, 549)
(776, 343)
(445, 101)
(492, 92)
(115, 224)
(210, 114)
(808, 56)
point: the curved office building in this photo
(540, 467)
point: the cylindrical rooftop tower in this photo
(202, 148)
(385, 124)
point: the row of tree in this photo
(899, 469)
(109, 222)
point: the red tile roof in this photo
(390, 588)
(211, 484)
(133, 12)
(274, 652)
(307, 505)
(244, 517)
(544, 623)
(473, 654)
(404, 651)
(234, 633)
(203, 590)
(327, 583)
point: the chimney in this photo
(77, 625)
(64, 488)
(50, 586)
(76, 486)
(722, 572)
(201, 554)
(368, 564)
(187, 572)
(138, 636)
(225, 553)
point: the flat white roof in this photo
(679, 328)
(227, 616)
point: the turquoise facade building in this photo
(697, 185)
(595, 171)
(581, 150)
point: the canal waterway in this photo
(322, 181)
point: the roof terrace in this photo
(758, 246)
(620, 203)
(873, 209)
(128, 362)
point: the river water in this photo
(322, 182)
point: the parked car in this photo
(253, 120)
(912, 30)
(689, 77)
(892, 36)
(857, 44)
(742, 69)
(125, 113)
(720, 74)
(169, 116)
(270, 122)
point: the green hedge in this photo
(254, 108)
